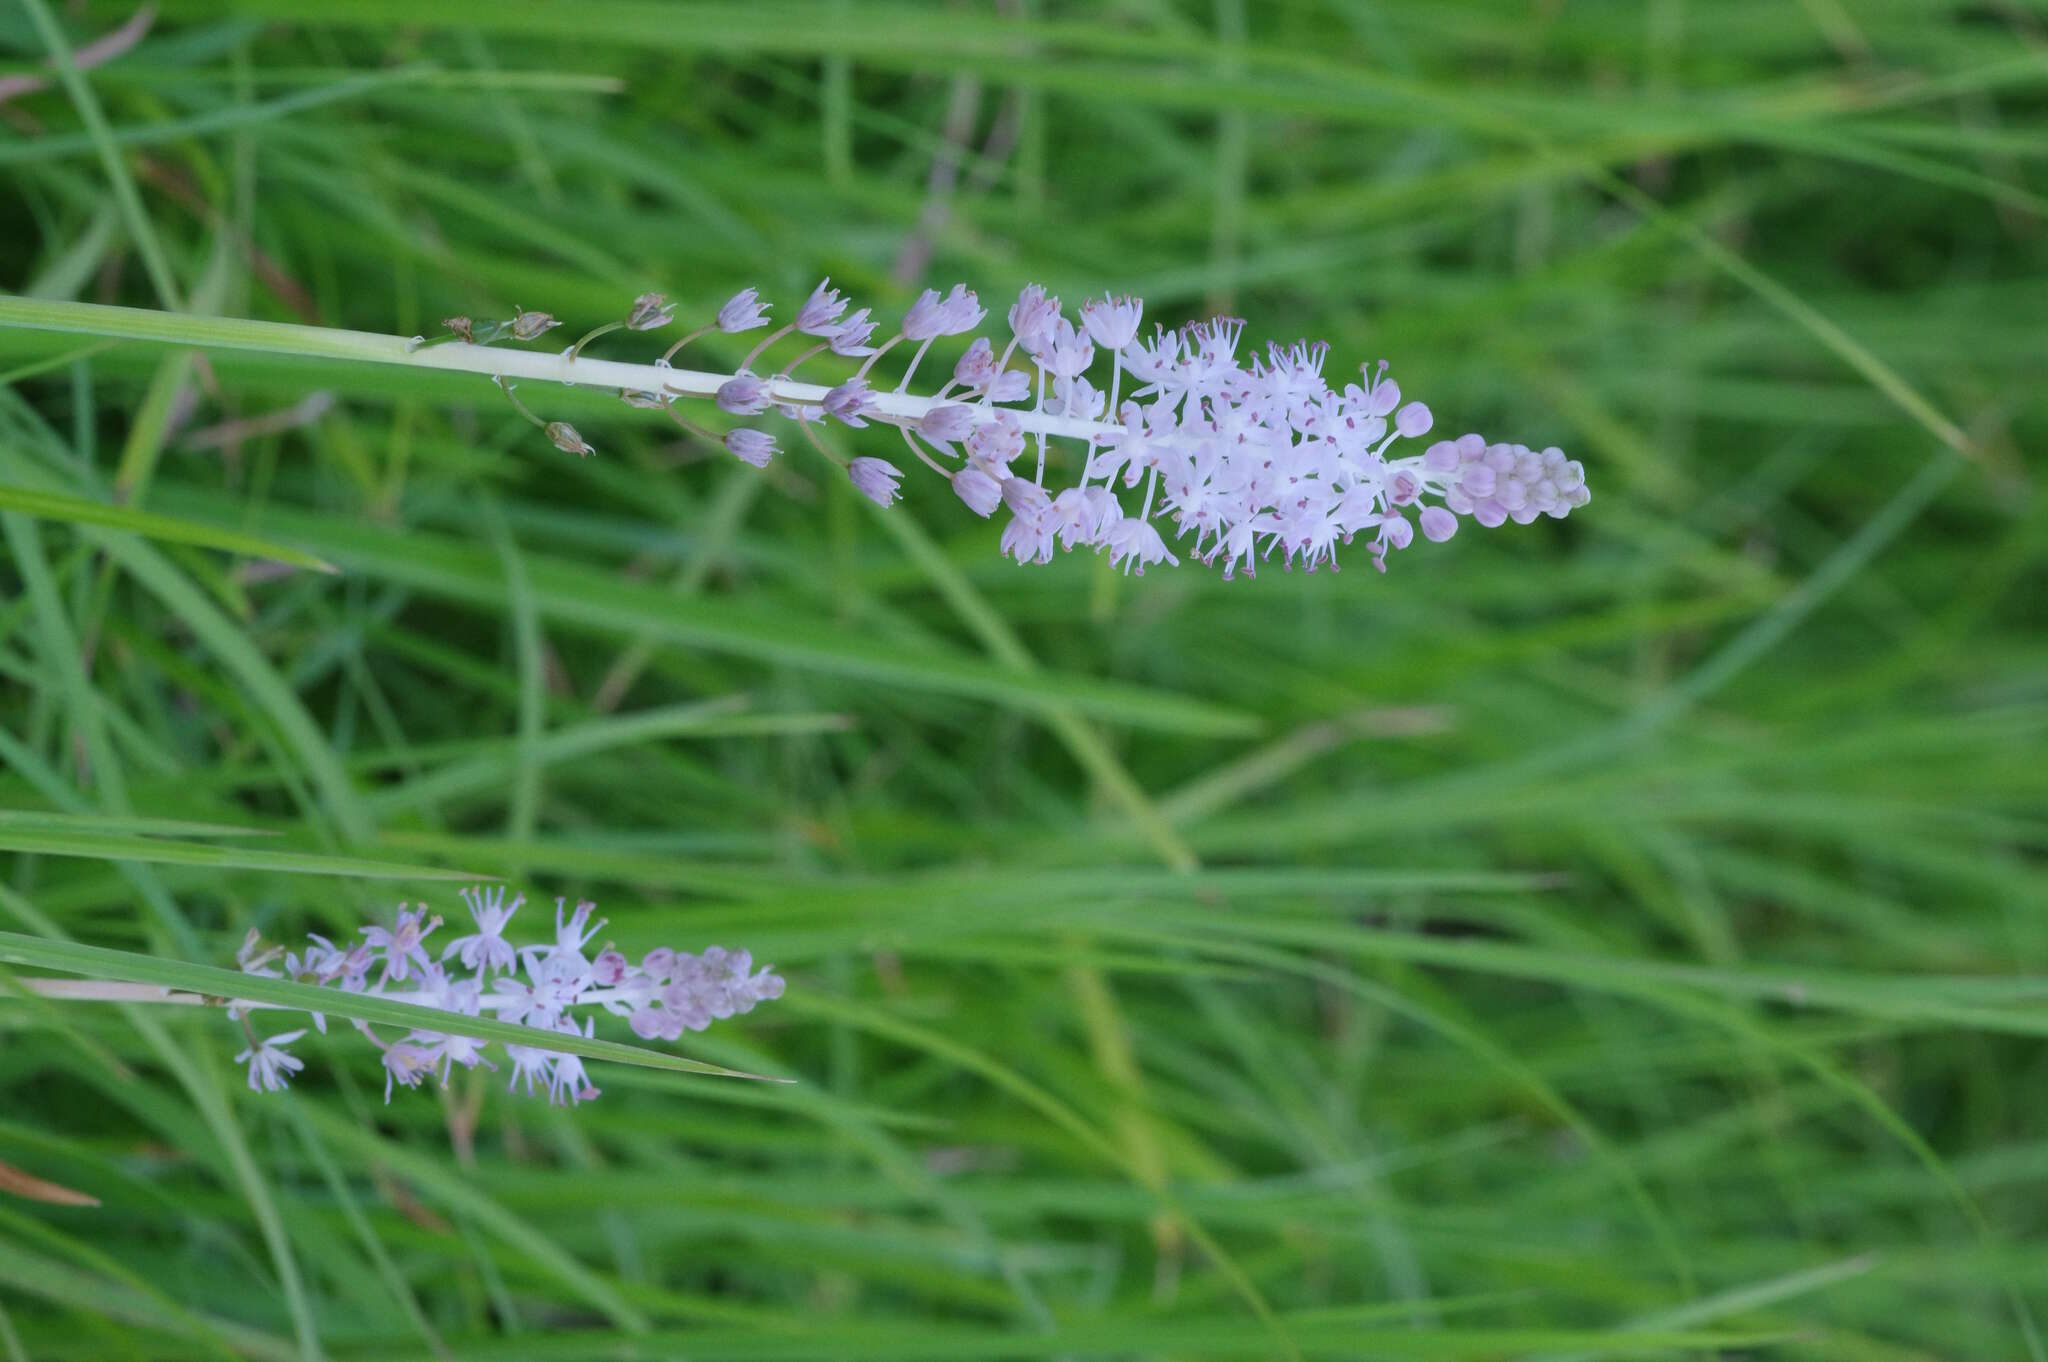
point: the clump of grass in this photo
(1616, 941)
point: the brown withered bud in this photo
(527, 325)
(463, 327)
(651, 312)
(567, 440)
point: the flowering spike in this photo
(543, 987)
(1244, 455)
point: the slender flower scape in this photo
(1241, 457)
(539, 986)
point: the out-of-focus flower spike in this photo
(1248, 455)
(551, 988)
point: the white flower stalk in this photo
(555, 988)
(1243, 458)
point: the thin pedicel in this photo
(1244, 458)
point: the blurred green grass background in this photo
(1621, 937)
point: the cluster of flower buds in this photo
(1248, 456)
(553, 988)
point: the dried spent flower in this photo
(651, 312)
(567, 440)
(526, 325)
(544, 987)
(463, 328)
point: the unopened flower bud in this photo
(932, 315)
(1025, 498)
(742, 312)
(756, 447)
(848, 401)
(819, 315)
(1032, 315)
(981, 492)
(995, 443)
(945, 424)
(850, 339)
(743, 396)
(875, 479)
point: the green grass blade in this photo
(150, 525)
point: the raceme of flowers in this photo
(555, 987)
(1241, 456)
